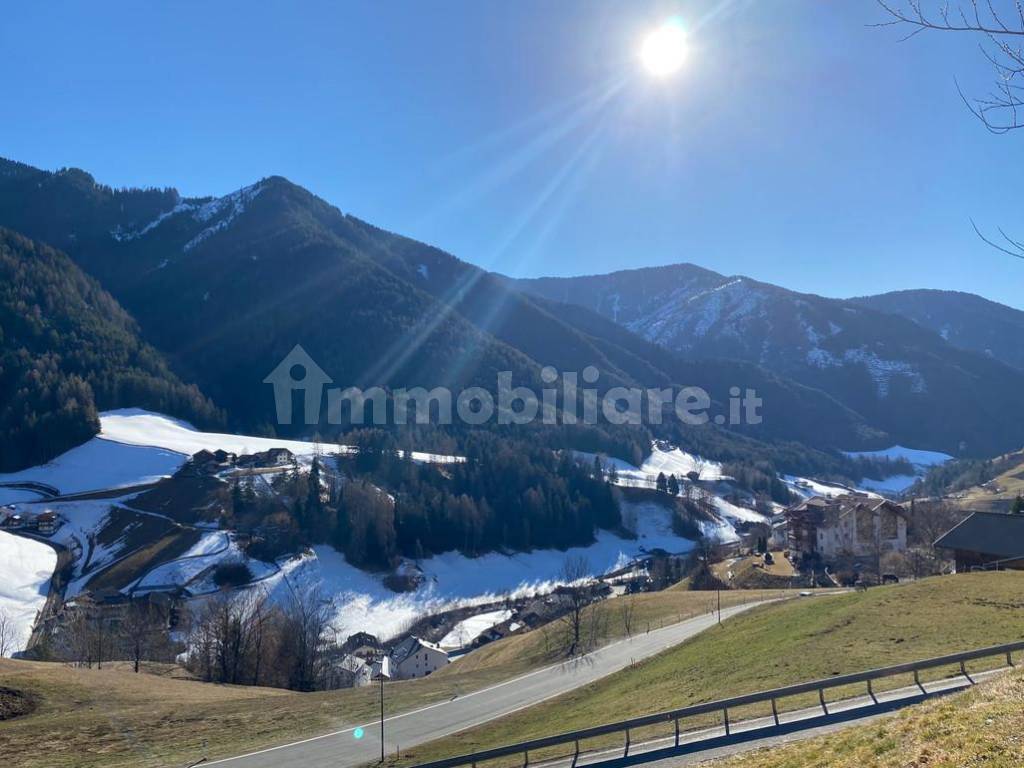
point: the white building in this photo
(414, 657)
(847, 526)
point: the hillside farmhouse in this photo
(851, 525)
(414, 657)
(986, 540)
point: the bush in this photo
(231, 574)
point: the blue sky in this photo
(797, 146)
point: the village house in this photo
(851, 525)
(363, 645)
(986, 540)
(414, 657)
(349, 672)
(47, 523)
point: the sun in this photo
(664, 50)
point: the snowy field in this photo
(452, 580)
(14, 496)
(212, 549)
(99, 464)
(804, 487)
(896, 484)
(136, 447)
(142, 428)
(25, 569)
(671, 462)
(468, 630)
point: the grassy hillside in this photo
(115, 718)
(981, 726)
(778, 645)
(998, 494)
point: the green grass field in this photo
(773, 646)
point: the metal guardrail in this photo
(724, 705)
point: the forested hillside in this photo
(67, 349)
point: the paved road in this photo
(342, 749)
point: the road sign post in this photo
(382, 671)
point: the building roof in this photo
(351, 664)
(990, 533)
(410, 645)
(828, 510)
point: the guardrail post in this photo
(576, 756)
(677, 731)
(963, 671)
(917, 682)
(1009, 659)
(871, 692)
(725, 719)
(821, 698)
(626, 753)
(526, 758)
(775, 712)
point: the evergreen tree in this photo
(661, 483)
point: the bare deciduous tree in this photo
(575, 572)
(627, 609)
(7, 631)
(143, 633)
(306, 627)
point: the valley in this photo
(577, 384)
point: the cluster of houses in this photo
(44, 523)
(856, 527)
(213, 462)
(416, 657)
(362, 653)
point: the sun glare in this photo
(664, 50)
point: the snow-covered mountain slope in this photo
(363, 603)
(963, 319)
(135, 447)
(891, 371)
(25, 570)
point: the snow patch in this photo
(229, 208)
(468, 630)
(25, 570)
(452, 580)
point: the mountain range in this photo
(221, 288)
(932, 368)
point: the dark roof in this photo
(990, 533)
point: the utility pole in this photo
(719, 606)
